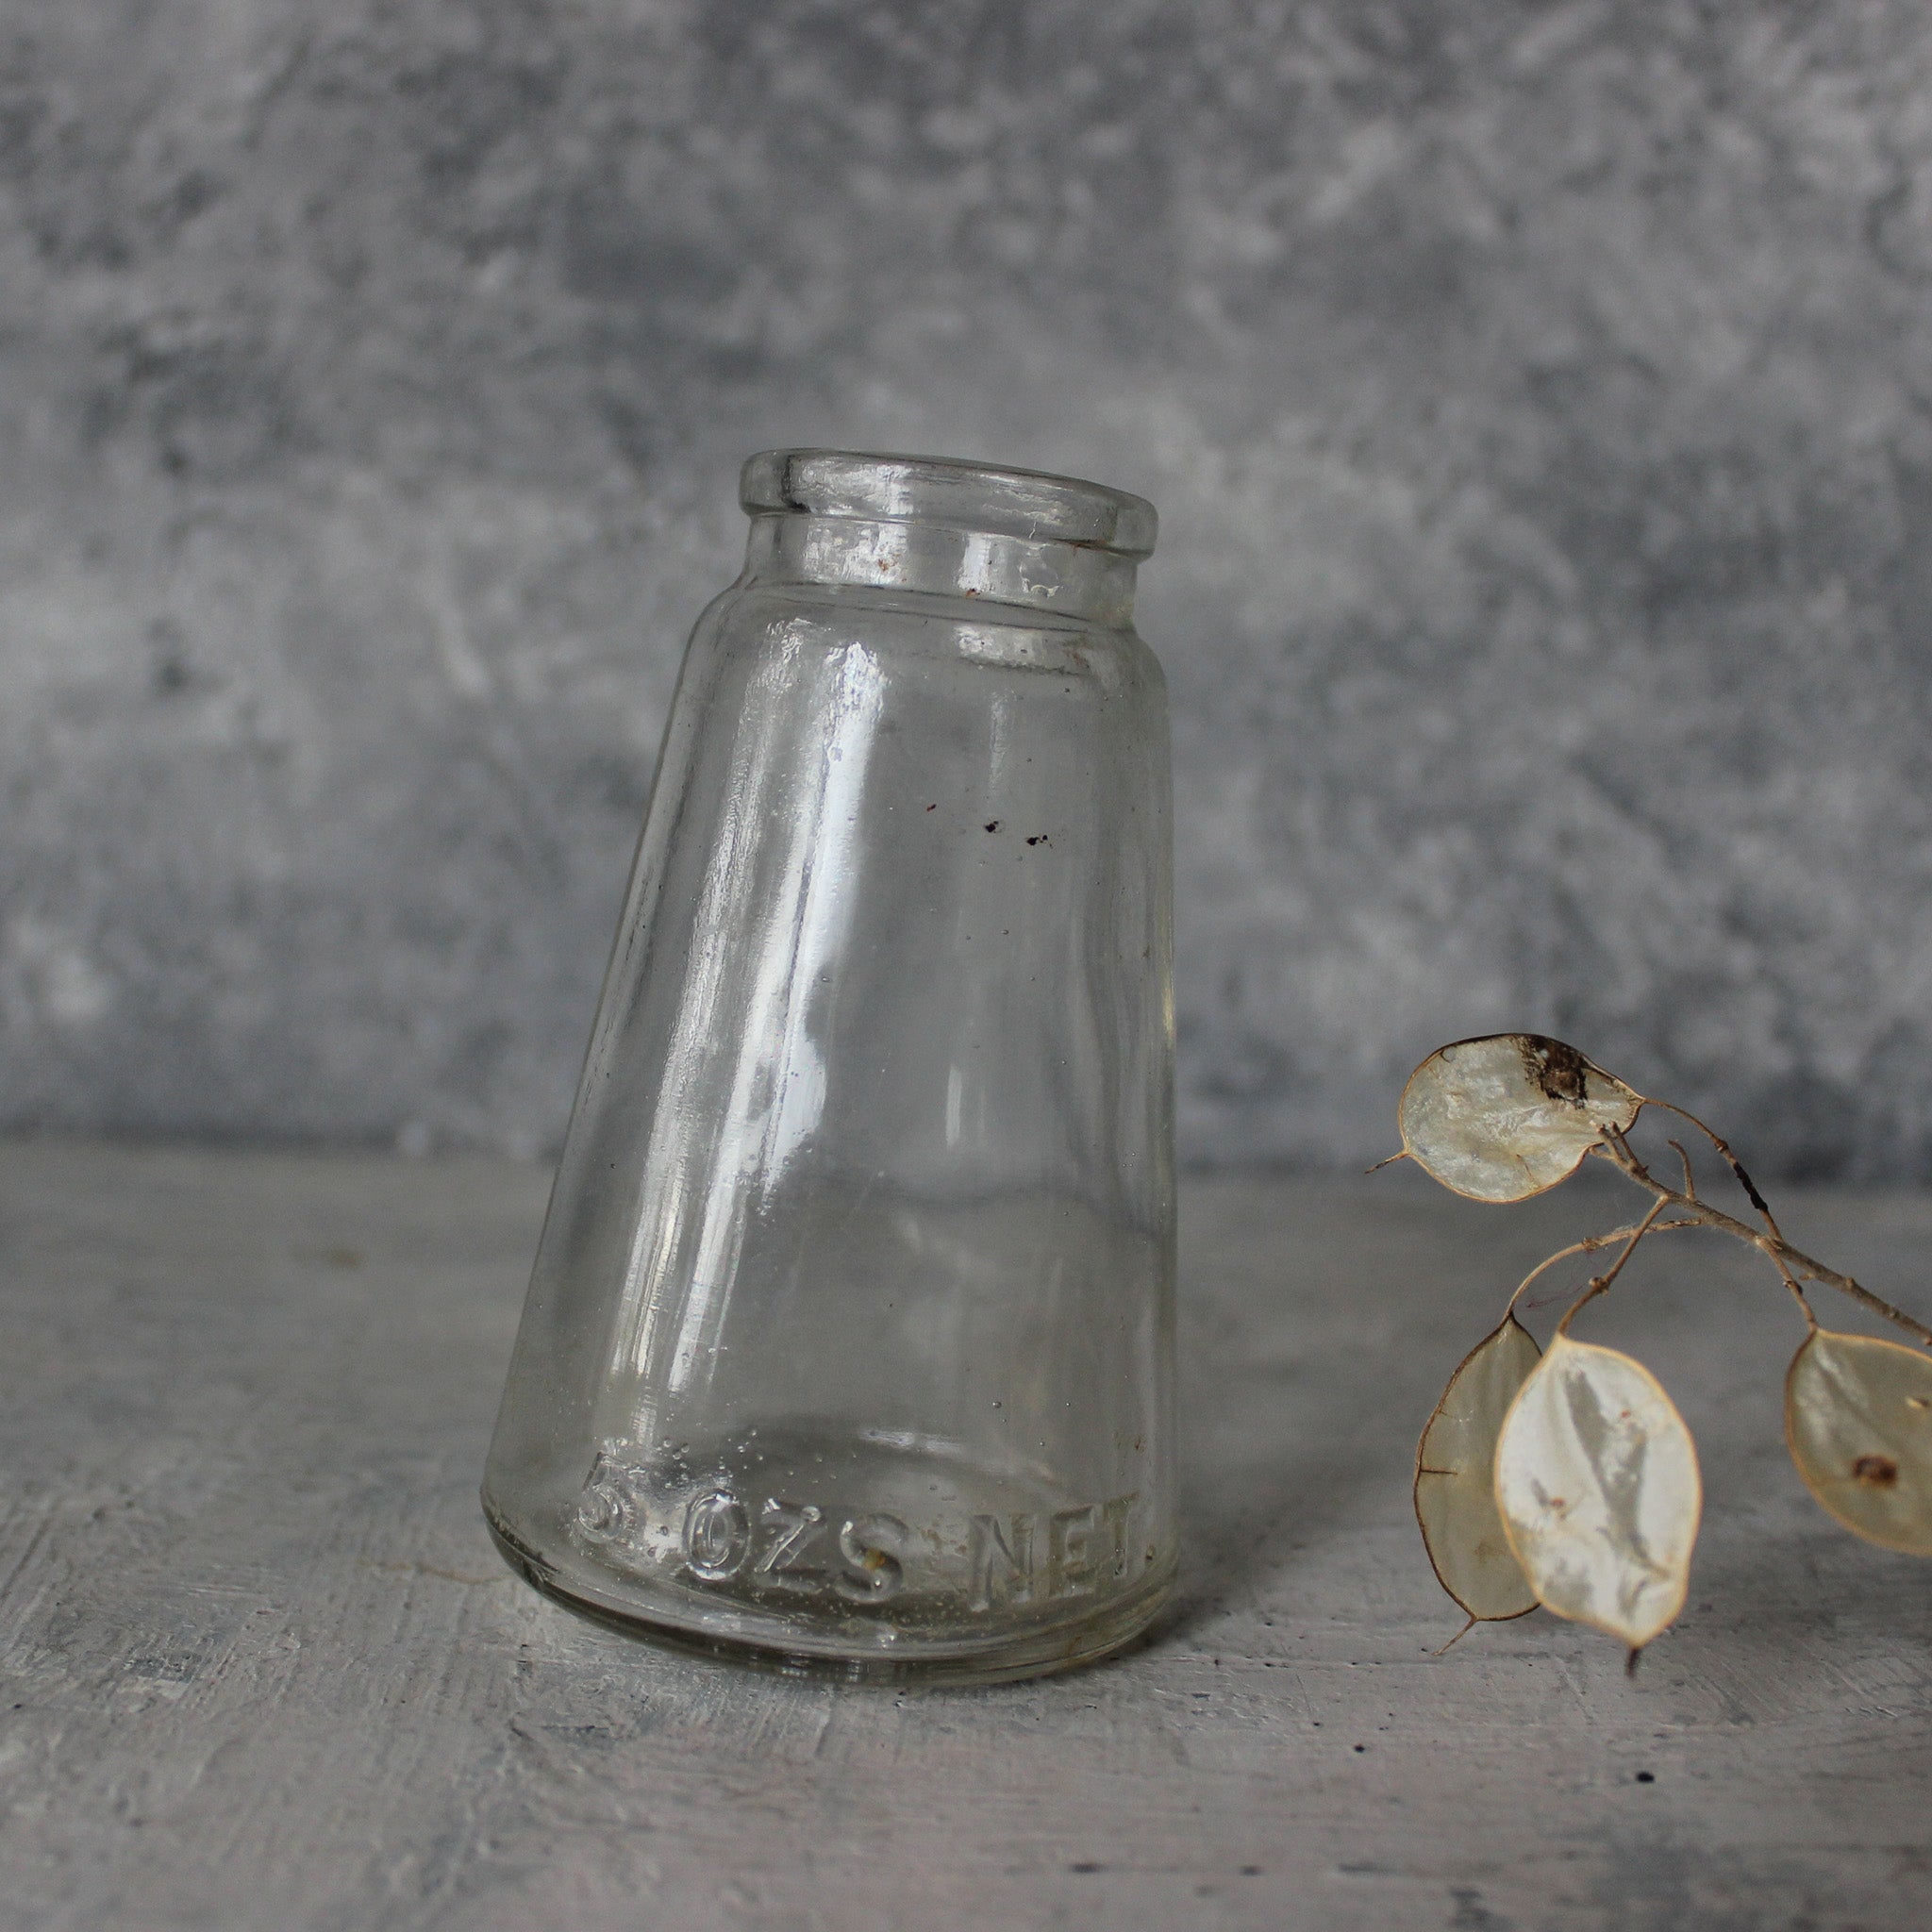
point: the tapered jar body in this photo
(849, 1342)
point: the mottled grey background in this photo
(1537, 398)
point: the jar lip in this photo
(1030, 504)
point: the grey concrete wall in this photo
(1539, 399)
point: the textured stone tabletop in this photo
(263, 1667)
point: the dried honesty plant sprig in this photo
(1567, 1477)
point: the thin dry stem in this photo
(1589, 1245)
(1791, 1280)
(1602, 1281)
(1794, 1265)
(1690, 1179)
(1731, 1160)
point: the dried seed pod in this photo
(1858, 1419)
(1597, 1485)
(1506, 1117)
(1454, 1478)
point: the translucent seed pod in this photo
(1455, 1478)
(1859, 1419)
(1598, 1487)
(1508, 1116)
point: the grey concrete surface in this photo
(1539, 398)
(263, 1670)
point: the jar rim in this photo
(1030, 504)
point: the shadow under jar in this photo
(850, 1340)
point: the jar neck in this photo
(1076, 580)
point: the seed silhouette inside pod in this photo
(1503, 1118)
(1455, 1479)
(1858, 1419)
(1597, 1485)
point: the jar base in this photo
(1107, 1630)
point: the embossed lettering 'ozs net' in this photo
(849, 1343)
(708, 1534)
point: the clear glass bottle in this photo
(850, 1340)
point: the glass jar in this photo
(850, 1340)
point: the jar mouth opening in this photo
(1028, 504)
